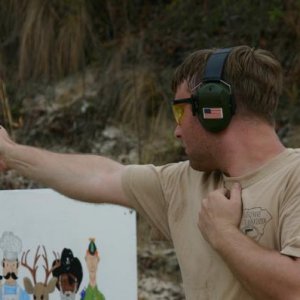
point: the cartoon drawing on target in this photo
(11, 246)
(69, 274)
(42, 289)
(254, 221)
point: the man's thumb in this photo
(235, 192)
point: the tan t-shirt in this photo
(169, 197)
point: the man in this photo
(92, 259)
(11, 246)
(232, 211)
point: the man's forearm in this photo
(266, 274)
(83, 177)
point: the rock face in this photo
(159, 274)
(154, 288)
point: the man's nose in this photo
(177, 131)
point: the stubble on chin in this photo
(195, 165)
(201, 166)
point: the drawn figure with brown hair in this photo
(11, 246)
(92, 259)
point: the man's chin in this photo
(195, 165)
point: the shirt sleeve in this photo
(143, 188)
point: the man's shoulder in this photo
(291, 159)
(174, 169)
(148, 169)
(173, 175)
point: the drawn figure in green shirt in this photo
(92, 259)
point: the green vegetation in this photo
(135, 46)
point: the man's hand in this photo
(220, 213)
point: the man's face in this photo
(197, 142)
(10, 271)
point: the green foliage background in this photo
(135, 46)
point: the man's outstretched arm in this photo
(88, 178)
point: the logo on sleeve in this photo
(254, 221)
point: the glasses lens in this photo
(178, 111)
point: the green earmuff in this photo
(213, 102)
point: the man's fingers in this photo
(222, 191)
(235, 192)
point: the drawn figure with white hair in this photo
(11, 246)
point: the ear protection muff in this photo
(213, 102)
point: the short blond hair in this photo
(255, 76)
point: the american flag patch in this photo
(212, 113)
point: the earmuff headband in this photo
(215, 65)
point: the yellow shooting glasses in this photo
(178, 108)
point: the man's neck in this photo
(247, 149)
